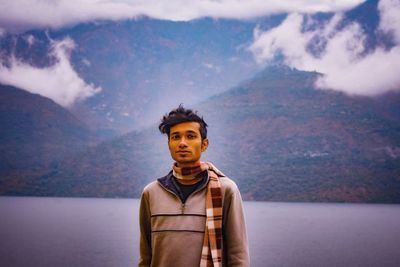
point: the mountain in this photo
(35, 134)
(149, 64)
(293, 142)
(276, 135)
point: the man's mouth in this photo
(183, 152)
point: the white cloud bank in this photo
(58, 82)
(346, 64)
(28, 14)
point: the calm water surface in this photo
(104, 232)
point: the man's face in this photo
(185, 144)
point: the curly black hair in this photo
(179, 115)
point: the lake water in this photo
(104, 232)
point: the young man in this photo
(193, 216)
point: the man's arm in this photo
(236, 246)
(145, 231)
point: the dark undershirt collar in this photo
(184, 191)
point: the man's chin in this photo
(183, 160)
(183, 157)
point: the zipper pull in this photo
(183, 208)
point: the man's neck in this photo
(187, 164)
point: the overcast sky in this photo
(344, 62)
(28, 14)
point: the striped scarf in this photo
(212, 242)
(188, 175)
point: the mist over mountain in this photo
(111, 74)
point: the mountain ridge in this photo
(282, 141)
(35, 134)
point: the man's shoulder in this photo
(228, 184)
(155, 184)
(150, 186)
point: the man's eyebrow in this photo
(189, 131)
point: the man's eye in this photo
(175, 137)
(191, 136)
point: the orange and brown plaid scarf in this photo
(211, 254)
(212, 243)
(188, 175)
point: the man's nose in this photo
(182, 142)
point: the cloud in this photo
(390, 19)
(19, 15)
(343, 58)
(30, 39)
(58, 82)
(213, 67)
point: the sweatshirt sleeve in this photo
(145, 231)
(236, 247)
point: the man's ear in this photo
(168, 142)
(204, 144)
